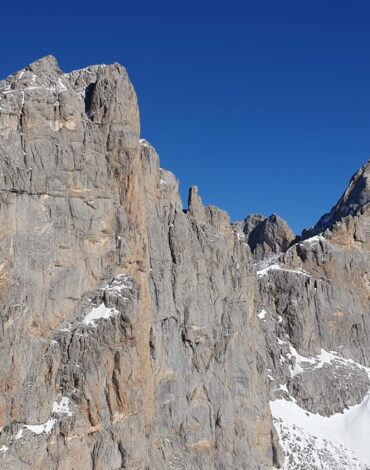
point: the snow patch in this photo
(42, 428)
(57, 87)
(276, 267)
(144, 143)
(3, 449)
(317, 362)
(99, 313)
(313, 240)
(262, 314)
(282, 388)
(61, 87)
(63, 407)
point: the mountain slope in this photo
(316, 319)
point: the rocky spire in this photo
(195, 204)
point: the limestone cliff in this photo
(128, 325)
(139, 335)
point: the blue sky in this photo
(265, 105)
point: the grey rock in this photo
(355, 199)
(331, 388)
(315, 303)
(142, 335)
(129, 325)
(266, 236)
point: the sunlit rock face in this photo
(139, 335)
(128, 326)
(316, 319)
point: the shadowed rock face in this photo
(128, 326)
(266, 236)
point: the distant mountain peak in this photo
(355, 197)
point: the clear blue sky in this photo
(265, 105)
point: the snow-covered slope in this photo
(339, 442)
(310, 440)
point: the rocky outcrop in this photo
(354, 201)
(266, 236)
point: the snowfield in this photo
(338, 442)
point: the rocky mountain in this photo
(139, 335)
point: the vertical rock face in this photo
(71, 201)
(211, 403)
(128, 326)
(139, 335)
